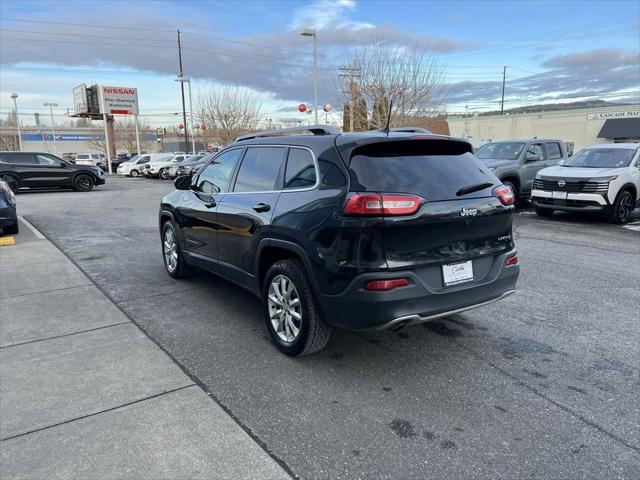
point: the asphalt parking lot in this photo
(541, 385)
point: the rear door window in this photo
(553, 150)
(260, 169)
(48, 161)
(18, 158)
(300, 171)
(433, 177)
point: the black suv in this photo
(43, 170)
(370, 230)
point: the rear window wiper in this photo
(473, 188)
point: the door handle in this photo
(262, 207)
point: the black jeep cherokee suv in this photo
(368, 230)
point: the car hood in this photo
(560, 171)
(497, 163)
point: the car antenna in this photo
(386, 128)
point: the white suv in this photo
(135, 166)
(601, 178)
(95, 159)
(157, 165)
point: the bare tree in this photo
(124, 130)
(410, 76)
(229, 111)
(9, 141)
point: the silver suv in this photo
(516, 162)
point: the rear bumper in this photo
(8, 216)
(358, 309)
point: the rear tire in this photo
(13, 229)
(281, 310)
(12, 182)
(83, 183)
(174, 262)
(622, 207)
(543, 212)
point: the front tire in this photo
(622, 207)
(543, 212)
(83, 183)
(174, 262)
(291, 313)
(134, 173)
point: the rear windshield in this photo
(433, 177)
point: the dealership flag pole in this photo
(135, 117)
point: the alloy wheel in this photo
(285, 308)
(170, 249)
(83, 183)
(625, 207)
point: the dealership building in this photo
(578, 128)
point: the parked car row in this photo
(157, 165)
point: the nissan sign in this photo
(118, 100)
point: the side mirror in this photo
(530, 157)
(183, 182)
(63, 165)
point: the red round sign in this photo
(180, 126)
(203, 126)
(302, 108)
(326, 107)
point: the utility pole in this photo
(504, 78)
(14, 96)
(184, 110)
(310, 32)
(351, 76)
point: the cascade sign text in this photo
(118, 100)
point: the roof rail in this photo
(314, 129)
(410, 130)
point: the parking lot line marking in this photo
(31, 227)
(7, 241)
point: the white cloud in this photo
(327, 15)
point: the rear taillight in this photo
(512, 261)
(505, 194)
(378, 204)
(386, 285)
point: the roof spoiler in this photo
(314, 129)
(410, 130)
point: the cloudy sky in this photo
(553, 49)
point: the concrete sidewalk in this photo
(86, 394)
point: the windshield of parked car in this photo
(133, 159)
(500, 151)
(601, 158)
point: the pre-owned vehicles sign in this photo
(118, 100)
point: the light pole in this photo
(182, 79)
(53, 128)
(15, 104)
(312, 32)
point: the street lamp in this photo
(311, 32)
(53, 128)
(15, 104)
(182, 79)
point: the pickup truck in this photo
(516, 162)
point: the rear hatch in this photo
(461, 213)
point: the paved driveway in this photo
(541, 385)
